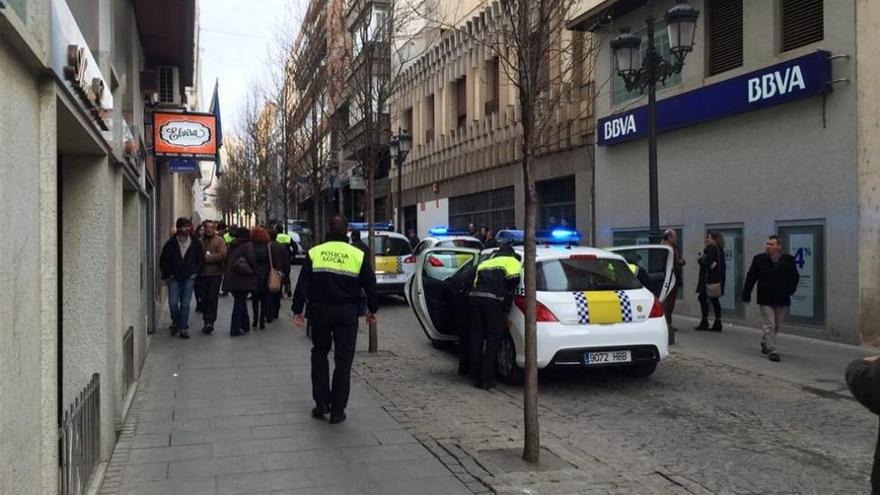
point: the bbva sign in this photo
(776, 83)
(620, 126)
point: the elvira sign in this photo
(185, 135)
(792, 80)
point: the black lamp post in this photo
(681, 22)
(399, 148)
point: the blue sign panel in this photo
(792, 80)
(183, 166)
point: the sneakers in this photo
(319, 411)
(208, 329)
(184, 334)
(704, 325)
(774, 356)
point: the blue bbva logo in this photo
(776, 83)
(620, 126)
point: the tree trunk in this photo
(532, 440)
(371, 221)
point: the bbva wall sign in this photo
(185, 135)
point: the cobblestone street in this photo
(698, 425)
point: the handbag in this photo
(714, 291)
(242, 267)
(274, 282)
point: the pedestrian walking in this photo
(260, 300)
(490, 300)
(211, 277)
(198, 290)
(240, 279)
(284, 239)
(180, 262)
(863, 380)
(226, 233)
(280, 261)
(332, 278)
(777, 277)
(357, 242)
(710, 286)
(670, 238)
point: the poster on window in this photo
(732, 256)
(803, 247)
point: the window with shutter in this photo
(802, 23)
(725, 31)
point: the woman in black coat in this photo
(712, 271)
(260, 300)
(240, 279)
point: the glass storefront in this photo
(807, 244)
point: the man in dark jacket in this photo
(490, 300)
(212, 274)
(357, 242)
(777, 278)
(331, 279)
(863, 380)
(181, 261)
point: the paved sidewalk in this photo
(217, 415)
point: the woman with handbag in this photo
(240, 279)
(260, 298)
(710, 285)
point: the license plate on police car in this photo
(386, 276)
(607, 357)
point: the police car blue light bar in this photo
(558, 236)
(514, 236)
(445, 231)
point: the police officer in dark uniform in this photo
(490, 300)
(332, 277)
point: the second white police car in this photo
(592, 311)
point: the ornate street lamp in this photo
(681, 26)
(399, 147)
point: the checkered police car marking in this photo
(626, 309)
(400, 264)
(583, 310)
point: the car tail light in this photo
(409, 259)
(542, 314)
(582, 257)
(435, 262)
(656, 309)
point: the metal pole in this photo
(651, 75)
(399, 219)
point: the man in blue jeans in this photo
(181, 261)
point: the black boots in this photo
(704, 325)
(717, 327)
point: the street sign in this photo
(185, 135)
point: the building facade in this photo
(765, 131)
(78, 209)
(459, 104)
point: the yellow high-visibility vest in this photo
(337, 257)
(283, 239)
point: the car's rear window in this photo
(461, 243)
(391, 246)
(584, 274)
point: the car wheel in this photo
(508, 371)
(643, 370)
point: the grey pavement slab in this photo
(217, 415)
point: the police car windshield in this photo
(584, 274)
(391, 246)
(461, 243)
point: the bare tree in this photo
(550, 69)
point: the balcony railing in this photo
(79, 440)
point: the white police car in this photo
(394, 260)
(440, 265)
(592, 310)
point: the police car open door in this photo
(436, 293)
(656, 259)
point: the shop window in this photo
(493, 209)
(734, 260)
(619, 94)
(556, 203)
(725, 35)
(807, 244)
(802, 22)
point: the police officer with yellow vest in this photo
(490, 301)
(332, 277)
(285, 240)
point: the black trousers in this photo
(704, 306)
(336, 325)
(210, 287)
(487, 328)
(261, 301)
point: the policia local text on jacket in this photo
(490, 301)
(332, 277)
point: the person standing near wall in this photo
(710, 286)
(212, 274)
(180, 262)
(670, 238)
(777, 277)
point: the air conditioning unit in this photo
(169, 85)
